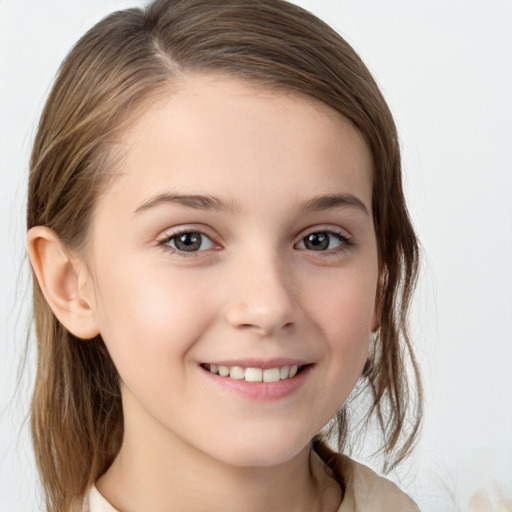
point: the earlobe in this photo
(61, 280)
(376, 320)
(379, 297)
(377, 313)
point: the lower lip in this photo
(261, 391)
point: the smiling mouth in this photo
(255, 374)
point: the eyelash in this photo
(344, 239)
(186, 254)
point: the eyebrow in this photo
(333, 201)
(207, 202)
(197, 201)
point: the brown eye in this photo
(322, 241)
(317, 241)
(191, 241)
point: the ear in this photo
(64, 282)
(376, 317)
(379, 296)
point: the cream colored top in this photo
(365, 492)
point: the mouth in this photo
(255, 374)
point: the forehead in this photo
(231, 137)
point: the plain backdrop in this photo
(445, 67)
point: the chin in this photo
(263, 451)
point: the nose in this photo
(263, 297)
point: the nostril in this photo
(266, 319)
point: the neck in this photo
(160, 473)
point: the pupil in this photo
(317, 241)
(188, 242)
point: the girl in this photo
(222, 254)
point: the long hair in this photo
(119, 65)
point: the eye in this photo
(323, 241)
(188, 241)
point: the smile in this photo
(252, 374)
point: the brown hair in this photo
(128, 57)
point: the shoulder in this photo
(366, 491)
(95, 502)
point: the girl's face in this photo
(239, 234)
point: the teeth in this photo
(223, 371)
(271, 375)
(237, 372)
(254, 374)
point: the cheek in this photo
(345, 313)
(148, 314)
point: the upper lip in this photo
(264, 364)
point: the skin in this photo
(254, 290)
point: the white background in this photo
(445, 67)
